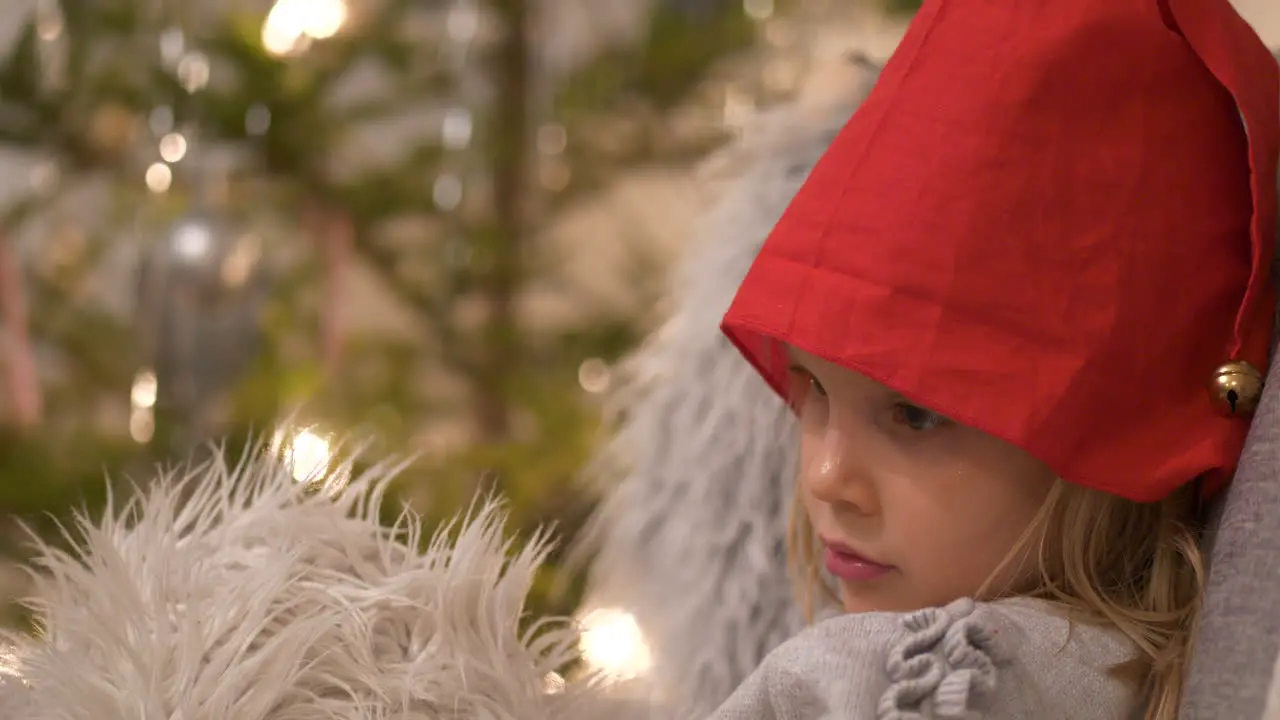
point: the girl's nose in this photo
(836, 470)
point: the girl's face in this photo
(912, 510)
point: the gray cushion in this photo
(1240, 633)
(1239, 640)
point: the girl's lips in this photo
(846, 564)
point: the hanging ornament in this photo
(201, 295)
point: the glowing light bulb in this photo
(325, 18)
(145, 389)
(307, 454)
(159, 177)
(193, 72)
(613, 644)
(173, 147)
(192, 242)
(293, 24)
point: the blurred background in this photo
(434, 223)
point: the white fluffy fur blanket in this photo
(258, 598)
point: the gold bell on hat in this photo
(1236, 388)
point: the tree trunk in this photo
(332, 231)
(501, 345)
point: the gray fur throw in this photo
(698, 477)
(259, 598)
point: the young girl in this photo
(1020, 308)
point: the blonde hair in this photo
(1102, 559)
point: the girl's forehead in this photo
(811, 361)
(795, 354)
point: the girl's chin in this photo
(858, 598)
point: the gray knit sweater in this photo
(1006, 660)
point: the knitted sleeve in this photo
(999, 661)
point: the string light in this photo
(308, 454)
(758, 9)
(193, 72)
(324, 19)
(159, 178)
(613, 644)
(145, 389)
(192, 241)
(142, 398)
(173, 147)
(291, 25)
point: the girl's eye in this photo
(803, 383)
(816, 387)
(917, 418)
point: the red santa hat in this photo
(1052, 221)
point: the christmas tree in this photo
(204, 186)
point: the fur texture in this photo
(698, 477)
(235, 592)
